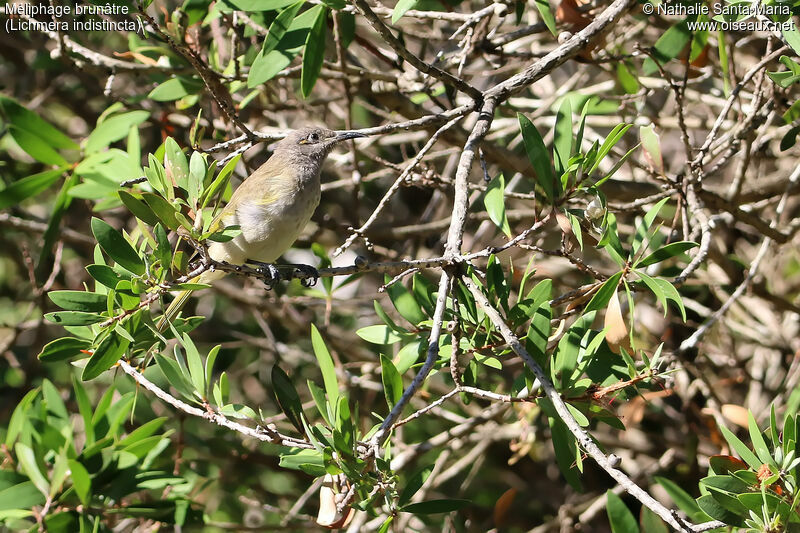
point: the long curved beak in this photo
(345, 135)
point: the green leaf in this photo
(495, 203)
(143, 432)
(211, 358)
(668, 46)
(386, 525)
(414, 484)
(279, 27)
(164, 210)
(664, 291)
(175, 89)
(105, 355)
(287, 397)
(27, 460)
(163, 250)
(792, 37)
(36, 147)
(221, 390)
(267, 65)
(73, 318)
(220, 181)
(539, 158)
(24, 495)
(347, 27)
(643, 229)
(293, 459)
(435, 506)
(725, 483)
(744, 452)
(19, 418)
(392, 381)
(653, 212)
(175, 164)
(172, 371)
(665, 252)
(786, 78)
(114, 244)
(650, 522)
(714, 509)
(619, 516)
(58, 474)
(565, 449)
(543, 6)
(326, 366)
(29, 187)
(379, 334)
(138, 207)
(197, 175)
(610, 240)
(401, 8)
(319, 399)
(314, 53)
(258, 5)
(105, 275)
(407, 356)
(405, 303)
(612, 139)
(424, 292)
(194, 363)
(90, 302)
(627, 81)
(52, 400)
(27, 120)
(562, 142)
(62, 349)
(52, 233)
(681, 498)
(385, 317)
(539, 332)
(113, 129)
(604, 293)
(759, 444)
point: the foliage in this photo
(597, 288)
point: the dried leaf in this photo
(616, 330)
(328, 516)
(735, 413)
(502, 505)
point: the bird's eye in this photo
(313, 137)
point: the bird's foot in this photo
(307, 274)
(269, 273)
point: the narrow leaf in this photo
(392, 381)
(495, 203)
(539, 158)
(326, 365)
(604, 293)
(666, 252)
(28, 187)
(314, 53)
(287, 397)
(116, 246)
(105, 355)
(619, 516)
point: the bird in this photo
(271, 207)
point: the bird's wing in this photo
(260, 188)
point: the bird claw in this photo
(307, 275)
(269, 273)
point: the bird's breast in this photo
(269, 227)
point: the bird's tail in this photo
(180, 300)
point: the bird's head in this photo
(314, 143)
